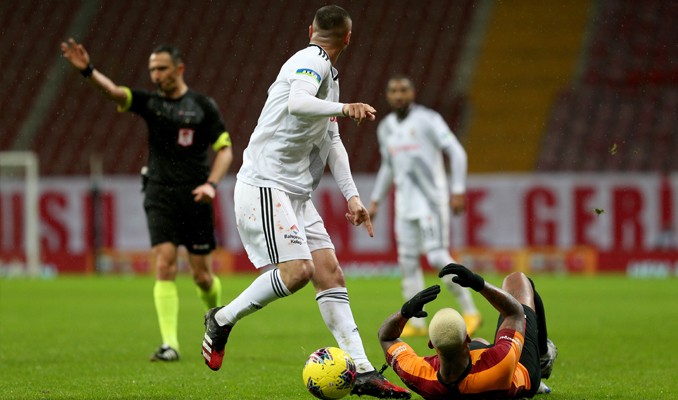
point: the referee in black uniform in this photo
(179, 183)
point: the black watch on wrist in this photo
(87, 72)
(214, 185)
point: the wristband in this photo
(87, 72)
(214, 185)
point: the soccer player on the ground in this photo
(412, 140)
(180, 185)
(511, 368)
(296, 136)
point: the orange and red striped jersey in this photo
(495, 371)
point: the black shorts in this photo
(530, 354)
(173, 216)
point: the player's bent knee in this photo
(518, 286)
(515, 278)
(438, 258)
(296, 273)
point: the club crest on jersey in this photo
(185, 137)
(309, 72)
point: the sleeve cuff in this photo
(224, 140)
(128, 103)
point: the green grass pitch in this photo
(90, 338)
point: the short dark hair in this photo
(329, 18)
(173, 51)
(401, 77)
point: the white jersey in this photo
(289, 152)
(412, 158)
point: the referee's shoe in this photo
(165, 353)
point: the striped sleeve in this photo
(420, 374)
(494, 368)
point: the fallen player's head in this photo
(447, 331)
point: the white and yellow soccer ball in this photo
(329, 373)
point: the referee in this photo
(179, 182)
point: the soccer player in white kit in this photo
(412, 140)
(296, 136)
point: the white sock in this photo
(412, 282)
(265, 289)
(336, 312)
(439, 259)
(462, 294)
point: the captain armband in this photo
(128, 100)
(224, 140)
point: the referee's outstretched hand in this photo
(464, 277)
(414, 307)
(75, 53)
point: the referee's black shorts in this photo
(173, 216)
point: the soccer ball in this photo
(329, 373)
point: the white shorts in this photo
(429, 232)
(275, 226)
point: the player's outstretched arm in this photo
(77, 55)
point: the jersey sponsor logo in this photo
(309, 72)
(512, 339)
(333, 119)
(398, 350)
(393, 150)
(185, 137)
(293, 238)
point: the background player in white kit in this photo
(412, 140)
(296, 136)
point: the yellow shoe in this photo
(412, 331)
(473, 322)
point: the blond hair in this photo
(447, 330)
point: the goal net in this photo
(19, 228)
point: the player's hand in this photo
(373, 209)
(75, 53)
(458, 203)
(464, 277)
(359, 112)
(204, 193)
(414, 307)
(357, 214)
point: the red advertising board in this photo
(552, 222)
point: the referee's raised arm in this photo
(76, 54)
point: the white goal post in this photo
(28, 162)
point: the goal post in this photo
(27, 162)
